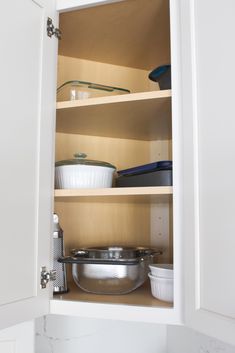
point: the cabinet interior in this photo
(117, 45)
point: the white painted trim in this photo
(195, 153)
(177, 154)
(115, 312)
(70, 5)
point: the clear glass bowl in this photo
(76, 90)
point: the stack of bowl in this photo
(162, 281)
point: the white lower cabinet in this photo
(18, 339)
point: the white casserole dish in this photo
(83, 173)
(162, 288)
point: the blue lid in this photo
(146, 168)
(158, 72)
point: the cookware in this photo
(162, 270)
(152, 174)
(162, 288)
(162, 75)
(146, 168)
(83, 173)
(110, 270)
(73, 90)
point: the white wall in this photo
(18, 339)
(63, 334)
(184, 340)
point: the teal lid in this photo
(80, 158)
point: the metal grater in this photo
(60, 284)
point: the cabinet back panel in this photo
(117, 221)
(122, 153)
(94, 223)
(133, 33)
(135, 80)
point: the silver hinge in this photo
(47, 276)
(51, 30)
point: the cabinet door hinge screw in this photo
(47, 276)
(51, 30)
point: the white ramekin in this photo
(162, 288)
(83, 176)
(162, 270)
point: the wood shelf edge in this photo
(139, 297)
(114, 99)
(131, 191)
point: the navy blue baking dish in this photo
(146, 168)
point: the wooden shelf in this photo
(128, 97)
(140, 296)
(128, 307)
(132, 191)
(142, 116)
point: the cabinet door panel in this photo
(209, 171)
(215, 121)
(26, 155)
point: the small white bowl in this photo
(162, 288)
(162, 270)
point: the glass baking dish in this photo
(76, 90)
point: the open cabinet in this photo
(118, 45)
(184, 124)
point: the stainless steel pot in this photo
(110, 270)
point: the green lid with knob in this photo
(80, 158)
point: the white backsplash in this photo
(63, 334)
(184, 340)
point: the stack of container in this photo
(162, 281)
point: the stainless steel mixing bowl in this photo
(110, 270)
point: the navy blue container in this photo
(152, 174)
(157, 178)
(162, 75)
(146, 168)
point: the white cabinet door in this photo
(208, 56)
(27, 102)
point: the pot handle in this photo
(77, 252)
(156, 252)
(84, 260)
(153, 253)
(150, 252)
(67, 260)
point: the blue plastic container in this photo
(162, 75)
(146, 168)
